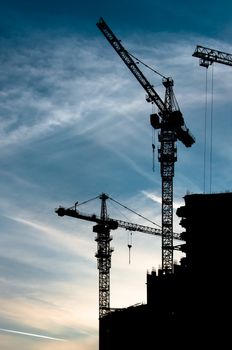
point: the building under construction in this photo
(190, 307)
(186, 303)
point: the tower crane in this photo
(170, 122)
(104, 224)
(207, 56)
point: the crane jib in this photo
(182, 133)
(207, 56)
(125, 56)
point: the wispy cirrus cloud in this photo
(30, 334)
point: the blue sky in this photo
(74, 123)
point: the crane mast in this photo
(103, 256)
(102, 228)
(172, 127)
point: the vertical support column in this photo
(103, 256)
(167, 157)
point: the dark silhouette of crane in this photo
(104, 224)
(170, 122)
(207, 56)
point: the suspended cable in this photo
(133, 211)
(141, 216)
(78, 204)
(120, 211)
(153, 70)
(205, 129)
(211, 131)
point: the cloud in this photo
(30, 334)
(11, 341)
(71, 243)
(42, 293)
(80, 87)
(158, 199)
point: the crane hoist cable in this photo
(205, 128)
(211, 130)
(207, 56)
(129, 244)
(208, 133)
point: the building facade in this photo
(191, 307)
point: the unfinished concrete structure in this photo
(188, 308)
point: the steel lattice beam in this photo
(103, 256)
(207, 56)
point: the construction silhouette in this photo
(187, 309)
(104, 225)
(177, 294)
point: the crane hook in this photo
(129, 245)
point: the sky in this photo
(74, 123)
